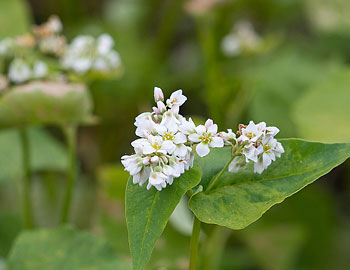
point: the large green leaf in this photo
(62, 248)
(14, 18)
(325, 106)
(241, 198)
(45, 103)
(148, 211)
(47, 154)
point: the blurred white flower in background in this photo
(19, 71)
(86, 53)
(242, 38)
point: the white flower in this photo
(158, 94)
(229, 137)
(160, 109)
(174, 140)
(157, 179)
(86, 53)
(170, 121)
(187, 126)
(40, 69)
(252, 132)
(207, 137)
(133, 164)
(145, 125)
(155, 144)
(271, 149)
(231, 45)
(19, 71)
(105, 44)
(6, 46)
(176, 99)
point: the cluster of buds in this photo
(243, 38)
(165, 149)
(27, 54)
(49, 36)
(87, 53)
(168, 142)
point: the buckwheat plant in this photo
(43, 81)
(231, 178)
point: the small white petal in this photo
(202, 149)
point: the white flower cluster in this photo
(86, 53)
(242, 38)
(165, 148)
(20, 71)
(167, 141)
(257, 144)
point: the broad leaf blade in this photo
(62, 248)
(148, 211)
(241, 198)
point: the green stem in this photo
(70, 132)
(194, 243)
(217, 177)
(27, 205)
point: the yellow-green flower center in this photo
(168, 136)
(206, 137)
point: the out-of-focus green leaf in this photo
(46, 153)
(14, 18)
(148, 211)
(10, 226)
(277, 81)
(323, 113)
(45, 103)
(241, 198)
(113, 180)
(62, 248)
(276, 246)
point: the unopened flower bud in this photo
(158, 94)
(155, 159)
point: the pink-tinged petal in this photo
(180, 138)
(158, 94)
(217, 142)
(194, 137)
(208, 123)
(202, 149)
(175, 94)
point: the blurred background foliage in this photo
(299, 80)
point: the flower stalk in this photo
(194, 243)
(70, 133)
(27, 178)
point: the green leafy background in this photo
(300, 83)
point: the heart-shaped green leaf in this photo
(62, 248)
(148, 211)
(241, 198)
(45, 103)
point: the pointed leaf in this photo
(241, 198)
(148, 211)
